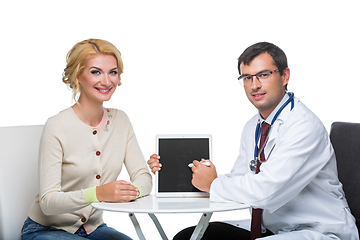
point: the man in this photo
(291, 183)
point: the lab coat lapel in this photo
(275, 129)
(271, 141)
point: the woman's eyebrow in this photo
(95, 68)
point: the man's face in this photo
(266, 95)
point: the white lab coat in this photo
(297, 186)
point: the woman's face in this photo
(98, 79)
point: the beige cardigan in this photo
(73, 157)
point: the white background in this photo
(180, 67)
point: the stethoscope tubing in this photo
(258, 129)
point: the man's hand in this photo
(203, 175)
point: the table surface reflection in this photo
(152, 204)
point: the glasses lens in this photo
(245, 79)
(263, 76)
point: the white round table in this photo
(152, 205)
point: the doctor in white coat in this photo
(295, 185)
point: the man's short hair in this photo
(255, 50)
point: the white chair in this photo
(19, 148)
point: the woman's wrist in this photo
(90, 195)
(139, 189)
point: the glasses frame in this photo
(241, 80)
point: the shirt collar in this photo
(272, 114)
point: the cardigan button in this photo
(94, 132)
(98, 176)
(83, 219)
(98, 153)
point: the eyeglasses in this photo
(262, 76)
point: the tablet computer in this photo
(176, 152)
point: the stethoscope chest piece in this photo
(252, 165)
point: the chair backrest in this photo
(19, 147)
(345, 138)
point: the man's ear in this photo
(286, 76)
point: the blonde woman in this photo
(83, 150)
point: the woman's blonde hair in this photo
(77, 56)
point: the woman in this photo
(82, 151)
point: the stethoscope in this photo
(257, 153)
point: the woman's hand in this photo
(154, 163)
(117, 191)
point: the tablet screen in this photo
(176, 153)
